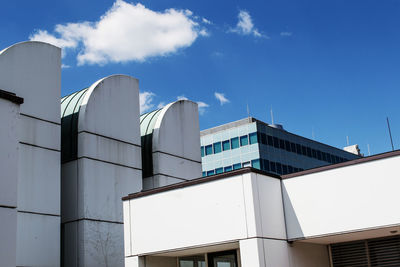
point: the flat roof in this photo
(11, 97)
(252, 170)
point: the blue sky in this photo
(325, 67)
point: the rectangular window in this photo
(219, 170)
(204, 174)
(202, 151)
(328, 158)
(227, 168)
(210, 173)
(290, 169)
(226, 145)
(304, 150)
(237, 166)
(244, 141)
(276, 142)
(309, 152)
(293, 147)
(256, 164)
(284, 169)
(295, 169)
(246, 164)
(253, 138)
(298, 149)
(263, 139)
(281, 144)
(270, 141)
(235, 142)
(266, 165)
(319, 156)
(209, 150)
(217, 147)
(314, 153)
(323, 156)
(287, 146)
(272, 166)
(278, 168)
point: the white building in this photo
(30, 72)
(251, 218)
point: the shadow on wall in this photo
(293, 227)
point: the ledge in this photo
(11, 97)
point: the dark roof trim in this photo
(11, 97)
(343, 164)
(198, 181)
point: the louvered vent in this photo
(381, 252)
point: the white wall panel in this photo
(32, 70)
(195, 215)
(159, 181)
(175, 166)
(39, 180)
(8, 153)
(39, 133)
(252, 252)
(344, 199)
(109, 150)
(38, 240)
(101, 187)
(8, 234)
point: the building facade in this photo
(253, 143)
(341, 215)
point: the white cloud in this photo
(126, 32)
(202, 107)
(221, 98)
(287, 34)
(65, 66)
(161, 105)
(245, 25)
(145, 100)
(206, 21)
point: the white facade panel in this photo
(176, 166)
(159, 181)
(191, 216)
(8, 153)
(8, 233)
(39, 180)
(276, 253)
(94, 146)
(32, 70)
(352, 198)
(39, 133)
(101, 187)
(252, 252)
(38, 240)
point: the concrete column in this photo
(252, 252)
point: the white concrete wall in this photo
(108, 167)
(352, 198)
(32, 70)
(176, 145)
(219, 211)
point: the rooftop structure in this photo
(253, 143)
(322, 217)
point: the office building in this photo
(253, 143)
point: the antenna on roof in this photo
(347, 140)
(312, 133)
(248, 110)
(369, 152)
(272, 116)
(390, 133)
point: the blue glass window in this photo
(226, 145)
(219, 170)
(210, 173)
(202, 151)
(209, 150)
(253, 138)
(266, 165)
(279, 168)
(270, 140)
(284, 169)
(217, 147)
(228, 169)
(204, 174)
(272, 166)
(237, 166)
(235, 142)
(276, 142)
(256, 164)
(244, 141)
(290, 169)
